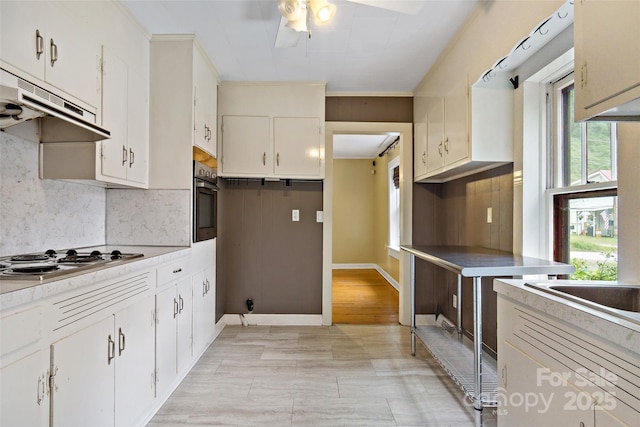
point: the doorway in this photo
(357, 259)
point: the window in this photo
(394, 207)
(585, 202)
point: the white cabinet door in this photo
(435, 134)
(74, 59)
(204, 306)
(420, 149)
(456, 140)
(69, 58)
(184, 343)
(135, 362)
(115, 153)
(535, 396)
(246, 146)
(297, 146)
(137, 129)
(23, 26)
(607, 52)
(24, 391)
(166, 334)
(205, 102)
(83, 364)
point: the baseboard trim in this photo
(376, 267)
(273, 319)
(426, 320)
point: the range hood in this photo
(60, 119)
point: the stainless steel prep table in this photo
(475, 262)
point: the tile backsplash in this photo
(36, 214)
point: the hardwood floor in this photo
(333, 376)
(363, 297)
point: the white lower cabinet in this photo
(204, 309)
(24, 391)
(102, 374)
(534, 392)
(174, 316)
(83, 369)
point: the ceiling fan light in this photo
(291, 9)
(323, 11)
(299, 24)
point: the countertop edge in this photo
(29, 292)
(623, 333)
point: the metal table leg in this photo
(412, 275)
(459, 296)
(477, 341)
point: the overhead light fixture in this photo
(291, 9)
(323, 11)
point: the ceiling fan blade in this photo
(410, 7)
(286, 36)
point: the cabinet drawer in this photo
(20, 329)
(173, 270)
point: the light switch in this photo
(489, 215)
(319, 216)
(295, 215)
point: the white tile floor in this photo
(342, 375)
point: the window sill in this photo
(394, 251)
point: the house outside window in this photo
(584, 189)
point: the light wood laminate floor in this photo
(363, 297)
(344, 375)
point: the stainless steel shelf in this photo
(455, 354)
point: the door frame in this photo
(406, 206)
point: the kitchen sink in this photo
(600, 296)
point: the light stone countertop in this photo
(619, 327)
(14, 293)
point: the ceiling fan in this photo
(297, 15)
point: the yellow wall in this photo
(361, 213)
(353, 208)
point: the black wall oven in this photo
(205, 202)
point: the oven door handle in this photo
(205, 185)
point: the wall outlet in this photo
(489, 215)
(319, 216)
(295, 215)
(455, 301)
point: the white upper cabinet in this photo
(270, 130)
(466, 130)
(122, 160)
(205, 95)
(125, 114)
(182, 109)
(53, 42)
(247, 146)
(607, 58)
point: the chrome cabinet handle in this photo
(278, 159)
(175, 308)
(121, 342)
(440, 148)
(54, 52)
(39, 44)
(111, 349)
(424, 162)
(204, 288)
(264, 159)
(446, 144)
(124, 155)
(181, 304)
(177, 270)
(132, 157)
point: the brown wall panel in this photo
(455, 213)
(264, 255)
(391, 109)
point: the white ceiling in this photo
(361, 146)
(365, 49)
